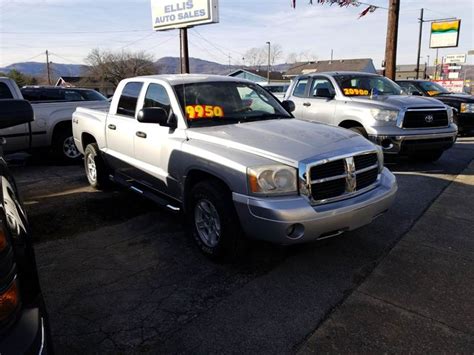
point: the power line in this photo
(219, 48)
(72, 32)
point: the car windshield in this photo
(226, 102)
(366, 85)
(433, 89)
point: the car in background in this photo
(277, 89)
(23, 318)
(373, 106)
(51, 129)
(463, 104)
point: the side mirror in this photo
(289, 106)
(157, 115)
(15, 112)
(323, 92)
(416, 93)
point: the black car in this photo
(23, 320)
(59, 94)
(462, 103)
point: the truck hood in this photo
(399, 101)
(288, 141)
(455, 97)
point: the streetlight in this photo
(268, 69)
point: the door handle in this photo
(112, 127)
(307, 104)
(141, 134)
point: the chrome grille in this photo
(343, 177)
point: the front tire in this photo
(96, 170)
(213, 221)
(359, 130)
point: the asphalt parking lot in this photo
(120, 274)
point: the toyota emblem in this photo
(429, 118)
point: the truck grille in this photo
(343, 177)
(425, 119)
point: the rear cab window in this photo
(5, 92)
(127, 105)
(320, 83)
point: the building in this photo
(106, 88)
(365, 65)
(408, 71)
(258, 76)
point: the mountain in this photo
(39, 69)
(165, 65)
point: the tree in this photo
(107, 66)
(257, 57)
(20, 78)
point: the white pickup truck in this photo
(51, 128)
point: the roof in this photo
(178, 79)
(72, 79)
(409, 67)
(274, 75)
(333, 73)
(356, 65)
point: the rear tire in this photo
(428, 156)
(359, 130)
(64, 148)
(96, 170)
(214, 222)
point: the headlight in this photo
(467, 108)
(272, 179)
(384, 115)
(450, 114)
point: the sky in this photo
(69, 29)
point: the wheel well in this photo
(350, 124)
(196, 176)
(60, 127)
(87, 139)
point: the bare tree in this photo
(257, 57)
(276, 52)
(106, 66)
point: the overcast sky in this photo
(69, 29)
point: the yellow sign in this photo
(203, 111)
(355, 92)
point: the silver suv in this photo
(373, 106)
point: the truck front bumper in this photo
(293, 220)
(415, 141)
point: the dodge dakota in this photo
(234, 160)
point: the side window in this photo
(128, 100)
(321, 83)
(156, 96)
(5, 92)
(300, 88)
(71, 95)
(52, 95)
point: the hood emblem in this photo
(429, 118)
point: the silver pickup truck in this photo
(234, 160)
(373, 106)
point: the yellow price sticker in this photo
(203, 111)
(433, 92)
(355, 92)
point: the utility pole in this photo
(392, 37)
(183, 36)
(48, 68)
(419, 45)
(332, 55)
(269, 61)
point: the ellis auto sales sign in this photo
(170, 14)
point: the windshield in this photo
(433, 89)
(225, 102)
(366, 85)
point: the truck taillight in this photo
(9, 301)
(3, 240)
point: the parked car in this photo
(23, 319)
(277, 89)
(53, 108)
(373, 106)
(463, 104)
(234, 166)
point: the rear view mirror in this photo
(156, 115)
(323, 92)
(416, 93)
(289, 106)
(15, 112)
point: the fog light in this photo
(295, 231)
(386, 144)
(9, 301)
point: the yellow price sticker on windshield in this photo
(203, 111)
(433, 92)
(355, 92)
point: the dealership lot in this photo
(118, 273)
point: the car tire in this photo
(64, 148)
(359, 130)
(428, 156)
(95, 167)
(213, 221)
